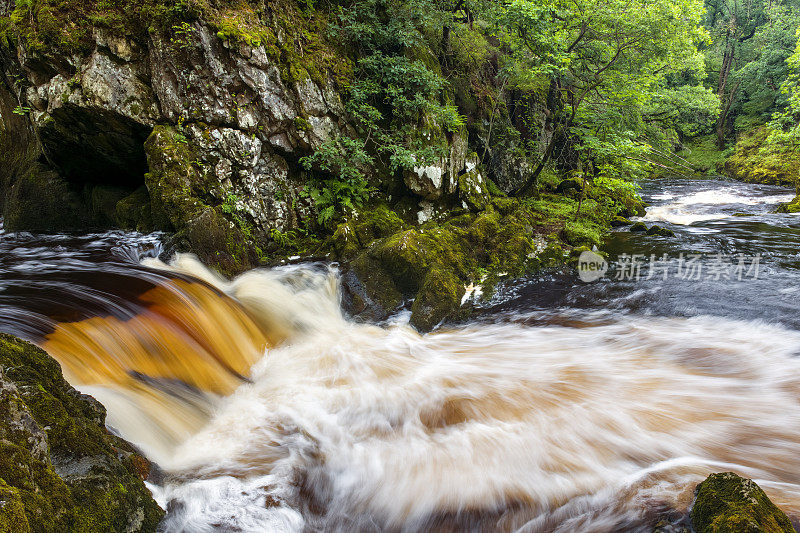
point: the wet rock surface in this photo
(728, 503)
(60, 468)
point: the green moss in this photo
(727, 503)
(473, 191)
(658, 231)
(790, 207)
(581, 234)
(406, 255)
(379, 286)
(174, 179)
(12, 510)
(756, 161)
(64, 27)
(178, 187)
(431, 264)
(240, 23)
(56, 429)
(301, 124)
(438, 298)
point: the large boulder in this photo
(392, 262)
(728, 503)
(60, 468)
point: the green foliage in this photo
(284, 240)
(690, 110)
(397, 98)
(703, 155)
(763, 75)
(343, 159)
(183, 36)
(784, 129)
(770, 154)
(609, 62)
(746, 62)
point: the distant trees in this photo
(747, 58)
(621, 82)
(608, 60)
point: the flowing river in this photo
(564, 406)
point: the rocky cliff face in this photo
(60, 469)
(193, 128)
(195, 117)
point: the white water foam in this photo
(688, 209)
(354, 427)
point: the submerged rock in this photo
(60, 468)
(658, 231)
(727, 503)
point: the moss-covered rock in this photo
(579, 234)
(727, 503)
(431, 264)
(391, 259)
(639, 227)
(12, 510)
(658, 231)
(134, 212)
(374, 222)
(177, 184)
(755, 161)
(619, 221)
(438, 298)
(60, 469)
(790, 207)
(39, 200)
(473, 190)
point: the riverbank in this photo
(61, 469)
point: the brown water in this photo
(566, 407)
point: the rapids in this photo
(563, 406)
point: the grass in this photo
(704, 156)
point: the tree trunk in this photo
(552, 120)
(724, 73)
(723, 116)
